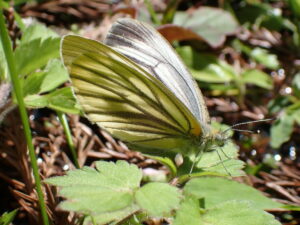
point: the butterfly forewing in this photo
(145, 46)
(120, 96)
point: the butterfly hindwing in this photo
(120, 96)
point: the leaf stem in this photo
(7, 47)
(186, 177)
(63, 120)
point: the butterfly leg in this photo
(198, 156)
(222, 161)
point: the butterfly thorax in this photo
(211, 140)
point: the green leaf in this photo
(108, 217)
(107, 192)
(52, 77)
(281, 130)
(37, 31)
(188, 213)
(206, 67)
(296, 85)
(35, 54)
(217, 190)
(292, 207)
(260, 55)
(263, 57)
(7, 218)
(210, 161)
(236, 213)
(123, 173)
(4, 5)
(158, 199)
(295, 6)
(258, 78)
(29, 57)
(228, 164)
(227, 213)
(112, 192)
(217, 161)
(276, 105)
(296, 114)
(296, 81)
(212, 24)
(61, 99)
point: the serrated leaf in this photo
(258, 78)
(37, 31)
(50, 78)
(35, 54)
(106, 193)
(236, 213)
(217, 161)
(121, 173)
(61, 99)
(109, 217)
(217, 190)
(7, 217)
(158, 199)
(188, 213)
(222, 160)
(212, 24)
(227, 213)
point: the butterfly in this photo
(136, 87)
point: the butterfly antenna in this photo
(242, 130)
(248, 122)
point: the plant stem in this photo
(170, 11)
(63, 120)
(23, 113)
(152, 12)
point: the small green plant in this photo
(288, 108)
(220, 76)
(256, 15)
(41, 74)
(8, 217)
(13, 75)
(113, 193)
